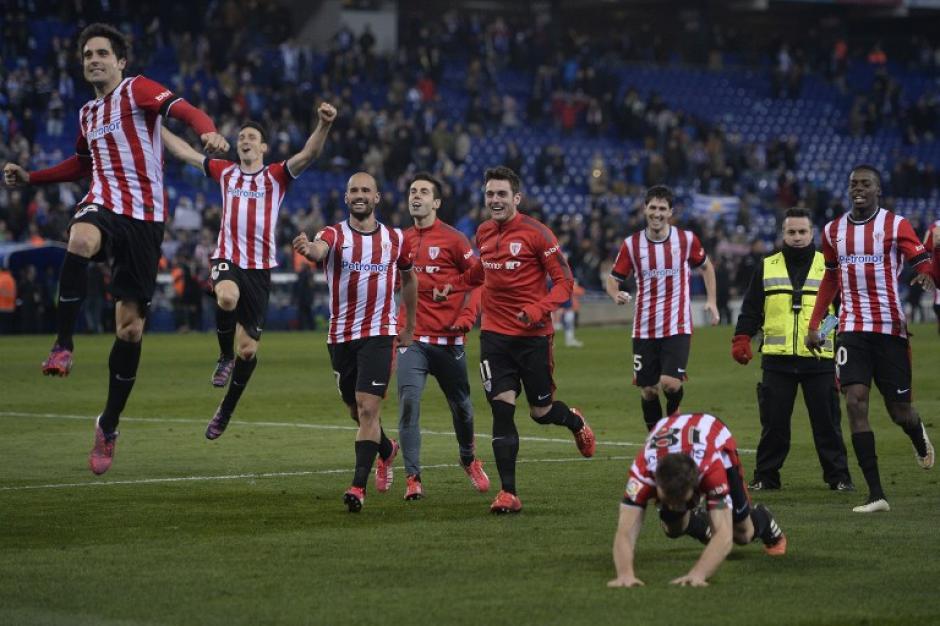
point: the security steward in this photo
(779, 302)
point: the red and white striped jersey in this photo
(931, 244)
(121, 133)
(250, 205)
(662, 306)
(360, 271)
(869, 256)
(701, 436)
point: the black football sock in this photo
(561, 415)
(365, 457)
(864, 445)
(916, 434)
(673, 400)
(225, 331)
(652, 411)
(505, 443)
(765, 527)
(699, 527)
(122, 367)
(241, 373)
(73, 285)
(385, 445)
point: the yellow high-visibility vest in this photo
(784, 326)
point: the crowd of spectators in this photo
(240, 59)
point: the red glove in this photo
(741, 349)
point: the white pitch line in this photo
(186, 420)
(256, 475)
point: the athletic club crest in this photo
(386, 246)
(433, 251)
(515, 247)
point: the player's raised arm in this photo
(153, 96)
(180, 149)
(715, 552)
(628, 529)
(326, 113)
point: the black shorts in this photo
(506, 361)
(363, 365)
(886, 358)
(133, 249)
(667, 356)
(254, 288)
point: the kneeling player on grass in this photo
(252, 193)
(687, 458)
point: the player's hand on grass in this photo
(326, 112)
(925, 281)
(14, 175)
(689, 580)
(214, 143)
(625, 581)
(440, 294)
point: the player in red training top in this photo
(932, 243)
(362, 256)
(864, 251)
(438, 252)
(517, 254)
(252, 193)
(122, 216)
(661, 257)
(688, 458)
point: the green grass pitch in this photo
(252, 529)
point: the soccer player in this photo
(517, 255)
(438, 252)
(932, 243)
(122, 215)
(864, 251)
(361, 256)
(252, 193)
(777, 304)
(689, 458)
(660, 257)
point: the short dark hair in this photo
(661, 192)
(257, 126)
(868, 168)
(798, 211)
(676, 474)
(502, 172)
(119, 42)
(428, 177)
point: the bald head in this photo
(362, 195)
